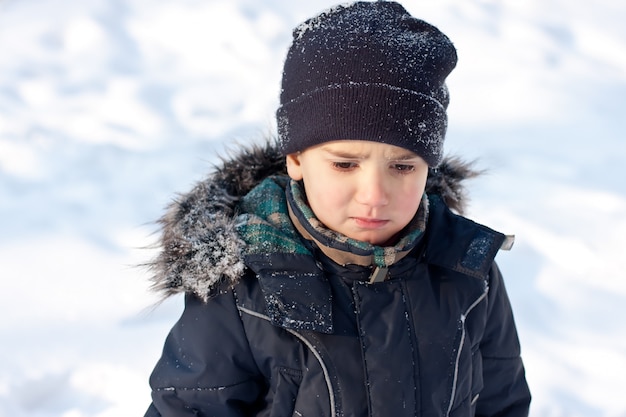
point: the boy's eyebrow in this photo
(404, 156)
(343, 153)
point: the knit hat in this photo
(366, 71)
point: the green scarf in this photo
(277, 218)
(265, 225)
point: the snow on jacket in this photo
(293, 333)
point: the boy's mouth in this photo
(370, 223)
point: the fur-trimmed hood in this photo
(199, 244)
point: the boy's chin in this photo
(377, 240)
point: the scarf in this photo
(278, 219)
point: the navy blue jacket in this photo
(299, 336)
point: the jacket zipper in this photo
(458, 353)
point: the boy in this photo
(346, 287)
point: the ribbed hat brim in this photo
(364, 111)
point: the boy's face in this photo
(368, 191)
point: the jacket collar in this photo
(471, 247)
(295, 288)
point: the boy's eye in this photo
(403, 167)
(344, 165)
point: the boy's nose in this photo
(373, 190)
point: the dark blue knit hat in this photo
(366, 71)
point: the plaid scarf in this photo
(277, 218)
(265, 225)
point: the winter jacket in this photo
(294, 333)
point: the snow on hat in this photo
(366, 71)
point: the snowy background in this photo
(109, 107)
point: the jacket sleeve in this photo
(505, 391)
(206, 368)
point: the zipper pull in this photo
(379, 274)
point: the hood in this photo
(199, 245)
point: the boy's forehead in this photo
(363, 148)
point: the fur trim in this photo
(200, 247)
(447, 179)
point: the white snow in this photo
(108, 108)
